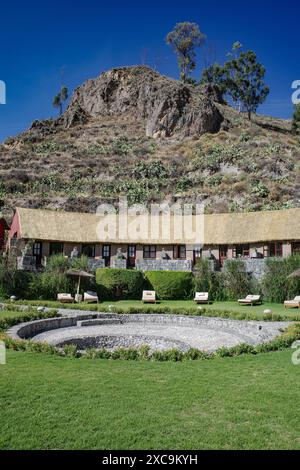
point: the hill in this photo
(132, 131)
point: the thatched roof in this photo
(253, 227)
(219, 229)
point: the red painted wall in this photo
(3, 228)
(15, 229)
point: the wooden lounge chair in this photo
(251, 300)
(201, 298)
(149, 297)
(65, 298)
(293, 303)
(91, 297)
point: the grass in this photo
(232, 403)
(222, 306)
(10, 313)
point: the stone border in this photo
(250, 332)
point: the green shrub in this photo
(54, 279)
(237, 282)
(12, 281)
(206, 280)
(103, 354)
(127, 354)
(150, 170)
(194, 354)
(276, 285)
(47, 285)
(203, 276)
(218, 290)
(170, 285)
(116, 284)
(70, 350)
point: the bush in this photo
(12, 282)
(237, 282)
(54, 279)
(203, 276)
(47, 285)
(276, 285)
(115, 284)
(170, 285)
(208, 281)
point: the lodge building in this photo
(226, 236)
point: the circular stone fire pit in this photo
(159, 332)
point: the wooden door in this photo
(37, 252)
(223, 254)
(131, 256)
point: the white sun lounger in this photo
(65, 298)
(90, 296)
(251, 300)
(293, 303)
(149, 296)
(201, 298)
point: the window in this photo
(197, 253)
(37, 252)
(131, 251)
(179, 252)
(223, 252)
(241, 251)
(106, 255)
(273, 250)
(150, 252)
(56, 248)
(106, 251)
(296, 248)
(131, 256)
(37, 249)
(88, 250)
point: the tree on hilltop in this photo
(184, 39)
(241, 78)
(60, 98)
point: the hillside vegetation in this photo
(133, 132)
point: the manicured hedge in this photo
(170, 285)
(115, 284)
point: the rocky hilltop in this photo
(169, 108)
(134, 132)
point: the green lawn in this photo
(228, 306)
(249, 402)
(10, 313)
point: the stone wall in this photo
(119, 263)
(26, 263)
(164, 265)
(255, 266)
(95, 263)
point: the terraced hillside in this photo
(132, 131)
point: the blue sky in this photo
(40, 41)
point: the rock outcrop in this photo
(167, 106)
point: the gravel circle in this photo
(158, 331)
